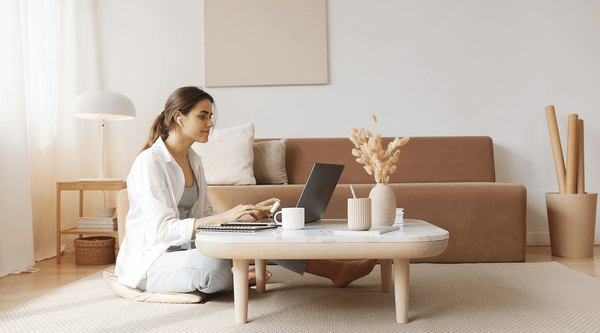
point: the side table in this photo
(81, 186)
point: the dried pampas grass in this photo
(369, 151)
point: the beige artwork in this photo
(265, 42)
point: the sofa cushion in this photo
(228, 156)
(269, 162)
(486, 221)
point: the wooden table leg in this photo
(58, 224)
(240, 290)
(386, 275)
(80, 203)
(401, 274)
(260, 266)
(80, 207)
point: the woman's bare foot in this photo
(339, 272)
(252, 277)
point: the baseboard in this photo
(543, 238)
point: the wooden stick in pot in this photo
(559, 162)
(572, 155)
(580, 159)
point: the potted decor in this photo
(571, 211)
(380, 164)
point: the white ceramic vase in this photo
(383, 205)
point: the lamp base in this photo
(100, 179)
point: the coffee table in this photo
(323, 240)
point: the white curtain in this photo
(16, 241)
(49, 56)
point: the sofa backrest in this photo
(422, 159)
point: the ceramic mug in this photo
(291, 218)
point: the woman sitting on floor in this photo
(168, 199)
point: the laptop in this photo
(315, 196)
(318, 190)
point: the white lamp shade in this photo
(100, 105)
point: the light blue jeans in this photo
(189, 270)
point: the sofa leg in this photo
(386, 275)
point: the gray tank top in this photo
(189, 198)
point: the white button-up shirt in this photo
(155, 186)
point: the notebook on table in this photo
(233, 228)
(314, 199)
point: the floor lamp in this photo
(103, 106)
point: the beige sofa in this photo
(447, 181)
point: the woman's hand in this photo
(241, 213)
(238, 213)
(265, 207)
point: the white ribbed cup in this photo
(359, 214)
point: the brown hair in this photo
(183, 99)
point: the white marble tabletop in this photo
(411, 231)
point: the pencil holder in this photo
(359, 214)
(572, 224)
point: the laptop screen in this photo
(319, 189)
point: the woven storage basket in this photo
(98, 250)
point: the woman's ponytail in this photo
(158, 129)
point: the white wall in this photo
(425, 68)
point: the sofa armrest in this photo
(122, 210)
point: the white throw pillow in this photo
(228, 156)
(137, 295)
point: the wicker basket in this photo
(98, 250)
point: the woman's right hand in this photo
(238, 213)
(245, 213)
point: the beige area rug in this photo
(520, 297)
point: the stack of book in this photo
(97, 224)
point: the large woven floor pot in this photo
(572, 224)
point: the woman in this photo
(168, 199)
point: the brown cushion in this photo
(269, 162)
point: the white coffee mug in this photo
(291, 218)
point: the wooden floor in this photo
(21, 288)
(589, 266)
